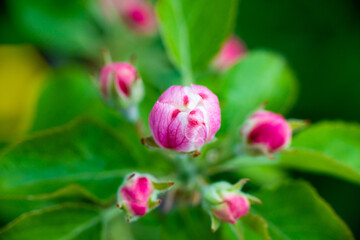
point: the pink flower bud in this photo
(226, 202)
(184, 118)
(233, 207)
(266, 132)
(138, 194)
(120, 75)
(139, 15)
(231, 52)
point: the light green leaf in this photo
(331, 148)
(68, 221)
(261, 76)
(251, 227)
(191, 35)
(293, 210)
(255, 227)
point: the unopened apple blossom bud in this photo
(121, 85)
(185, 118)
(139, 15)
(265, 132)
(225, 202)
(138, 194)
(232, 51)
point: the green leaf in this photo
(251, 227)
(293, 210)
(71, 31)
(83, 153)
(13, 206)
(261, 76)
(69, 93)
(255, 227)
(331, 148)
(192, 37)
(66, 221)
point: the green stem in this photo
(185, 58)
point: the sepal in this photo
(149, 142)
(298, 124)
(215, 223)
(162, 186)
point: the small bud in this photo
(138, 194)
(184, 118)
(121, 86)
(232, 51)
(226, 202)
(139, 15)
(265, 132)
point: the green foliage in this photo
(327, 147)
(70, 30)
(321, 43)
(260, 77)
(84, 154)
(61, 182)
(293, 210)
(68, 93)
(68, 221)
(251, 227)
(192, 36)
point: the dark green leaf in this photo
(70, 30)
(13, 206)
(83, 152)
(192, 36)
(66, 221)
(293, 210)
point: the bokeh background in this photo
(51, 48)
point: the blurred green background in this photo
(63, 40)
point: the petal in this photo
(167, 126)
(269, 129)
(196, 130)
(238, 205)
(143, 189)
(138, 208)
(212, 108)
(182, 98)
(223, 213)
(127, 193)
(105, 79)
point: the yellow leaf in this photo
(22, 73)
